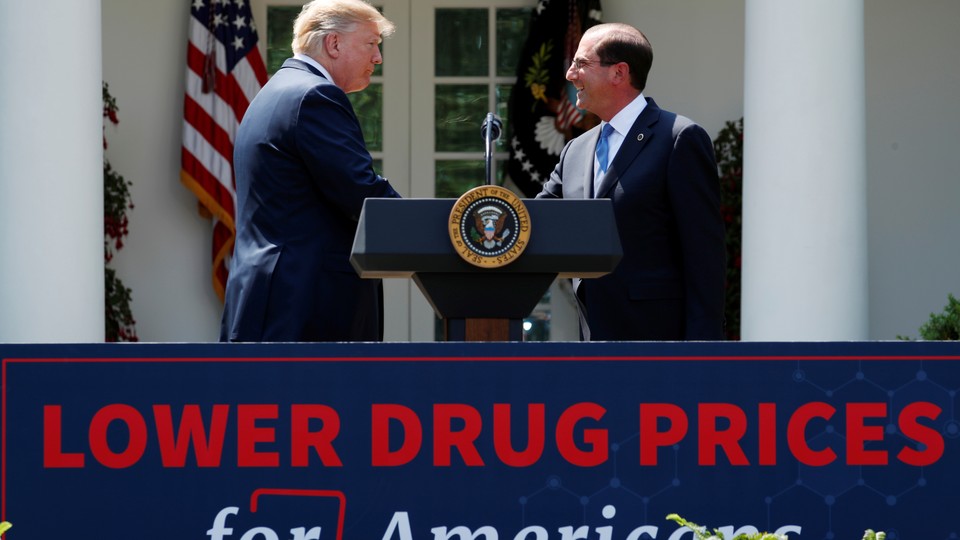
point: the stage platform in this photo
(479, 441)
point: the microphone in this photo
(490, 131)
(492, 124)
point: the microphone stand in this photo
(491, 133)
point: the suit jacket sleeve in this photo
(694, 191)
(332, 147)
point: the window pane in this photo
(503, 101)
(280, 35)
(461, 42)
(368, 104)
(511, 32)
(460, 110)
(454, 178)
(501, 174)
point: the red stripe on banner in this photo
(754, 357)
(335, 494)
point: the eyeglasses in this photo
(579, 63)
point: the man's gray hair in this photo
(319, 18)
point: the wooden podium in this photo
(409, 238)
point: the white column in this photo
(51, 172)
(804, 186)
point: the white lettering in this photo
(729, 533)
(539, 532)
(488, 532)
(401, 524)
(637, 533)
(267, 533)
(788, 529)
(301, 533)
(679, 533)
(400, 529)
(219, 531)
(567, 533)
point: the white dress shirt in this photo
(621, 122)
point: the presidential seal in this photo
(489, 226)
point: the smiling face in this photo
(591, 78)
(355, 54)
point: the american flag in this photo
(224, 72)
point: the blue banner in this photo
(455, 441)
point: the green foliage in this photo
(119, 321)
(728, 148)
(943, 326)
(701, 534)
(120, 325)
(698, 531)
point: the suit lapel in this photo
(587, 164)
(637, 138)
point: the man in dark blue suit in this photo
(660, 172)
(303, 172)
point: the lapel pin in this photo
(640, 137)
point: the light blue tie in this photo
(603, 147)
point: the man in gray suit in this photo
(660, 172)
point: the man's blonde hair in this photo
(319, 18)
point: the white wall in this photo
(697, 55)
(912, 141)
(912, 84)
(166, 257)
(913, 167)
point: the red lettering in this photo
(651, 438)
(797, 438)
(767, 436)
(173, 450)
(445, 438)
(136, 440)
(53, 455)
(248, 435)
(302, 439)
(930, 438)
(535, 435)
(412, 440)
(710, 436)
(858, 433)
(595, 439)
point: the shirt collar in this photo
(623, 120)
(304, 58)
